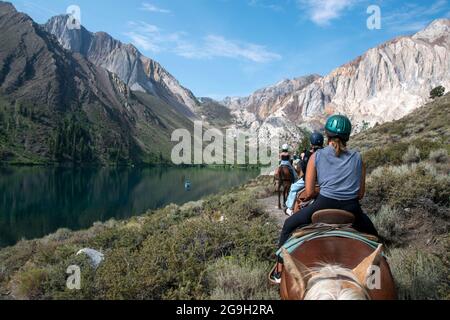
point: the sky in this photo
(220, 48)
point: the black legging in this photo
(362, 222)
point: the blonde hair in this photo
(339, 146)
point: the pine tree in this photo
(437, 92)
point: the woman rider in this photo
(317, 141)
(341, 175)
(285, 160)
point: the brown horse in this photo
(335, 268)
(283, 179)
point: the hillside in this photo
(426, 128)
(205, 248)
(57, 107)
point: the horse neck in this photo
(331, 282)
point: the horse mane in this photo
(322, 286)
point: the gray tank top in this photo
(339, 178)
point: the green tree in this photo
(305, 142)
(365, 125)
(437, 92)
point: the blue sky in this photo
(221, 48)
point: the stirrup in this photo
(272, 272)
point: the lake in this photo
(37, 201)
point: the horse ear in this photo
(362, 271)
(298, 272)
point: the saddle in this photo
(331, 219)
(328, 222)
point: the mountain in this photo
(57, 106)
(384, 84)
(137, 71)
(260, 112)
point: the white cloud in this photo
(266, 5)
(151, 38)
(413, 17)
(143, 42)
(214, 46)
(321, 12)
(152, 8)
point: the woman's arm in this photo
(362, 188)
(311, 178)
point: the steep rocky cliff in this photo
(137, 71)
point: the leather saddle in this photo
(333, 216)
(331, 219)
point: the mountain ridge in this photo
(139, 72)
(56, 106)
(383, 84)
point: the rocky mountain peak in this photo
(437, 30)
(137, 71)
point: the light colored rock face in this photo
(137, 71)
(384, 84)
(262, 114)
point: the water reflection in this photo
(37, 201)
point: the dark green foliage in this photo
(305, 144)
(437, 92)
(72, 141)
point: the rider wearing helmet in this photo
(340, 174)
(317, 141)
(285, 160)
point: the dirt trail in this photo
(270, 205)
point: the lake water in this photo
(36, 201)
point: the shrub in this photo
(437, 92)
(387, 222)
(30, 283)
(418, 274)
(240, 279)
(406, 187)
(412, 155)
(59, 235)
(439, 156)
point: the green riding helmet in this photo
(339, 126)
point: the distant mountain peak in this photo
(438, 29)
(136, 70)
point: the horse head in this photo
(330, 282)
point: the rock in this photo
(95, 256)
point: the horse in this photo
(284, 179)
(336, 268)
